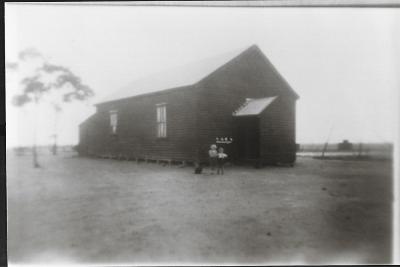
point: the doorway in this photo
(248, 137)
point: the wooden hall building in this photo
(238, 101)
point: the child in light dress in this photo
(213, 157)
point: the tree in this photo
(47, 79)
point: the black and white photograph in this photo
(154, 134)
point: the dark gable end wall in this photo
(277, 132)
(137, 127)
(249, 75)
(87, 130)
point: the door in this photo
(248, 137)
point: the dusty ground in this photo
(107, 211)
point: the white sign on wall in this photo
(223, 140)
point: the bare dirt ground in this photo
(81, 210)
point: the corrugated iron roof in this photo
(176, 77)
(253, 107)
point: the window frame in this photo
(161, 121)
(113, 128)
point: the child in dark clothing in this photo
(221, 161)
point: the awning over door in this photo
(253, 106)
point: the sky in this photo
(343, 62)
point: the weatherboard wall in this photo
(247, 76)
(136, 135)
(197, 114)
(277, 132)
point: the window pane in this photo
(161, 109)
(161, 121)
(113, 121)
(165, 114)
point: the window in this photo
(113, 121)
(161, 120)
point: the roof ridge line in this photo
(224, 59)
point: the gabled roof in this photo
(187, 75)
(88, 119)
(252, 107)
(184, 75)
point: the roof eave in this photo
(146, 94)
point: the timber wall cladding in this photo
(197, 114)
(277, 131)
(137, 126)
(227, 88)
